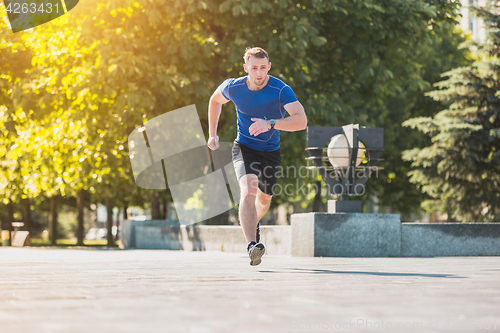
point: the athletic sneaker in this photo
(255, 252)
(258, 233)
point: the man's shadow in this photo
(325, 271)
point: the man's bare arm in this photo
(214, 110)
(297, 120)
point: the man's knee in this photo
(249, 185)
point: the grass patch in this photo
(38, 242)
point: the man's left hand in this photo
(259, 126)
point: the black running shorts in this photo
(264, 164)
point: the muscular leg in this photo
(249, 185)
(262, 204)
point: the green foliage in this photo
(374, 69)
(38, 242)
(73, 89)
(460, 168)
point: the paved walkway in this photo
(141, 291)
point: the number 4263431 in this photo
(32, 8)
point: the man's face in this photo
(257, 69)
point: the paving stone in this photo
(97, 290)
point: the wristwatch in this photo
(272, 122)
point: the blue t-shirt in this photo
(267, 102)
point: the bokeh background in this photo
(73, 89)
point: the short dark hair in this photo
(257, 52)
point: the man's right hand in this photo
(213, 142)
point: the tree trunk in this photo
(28, 222)
(109, 222)
(53, 220)
(318, 200)
(125, 215)
(10, 219)
(155, 206)
(117, 225)
(282, 215)
(165, 209)
(79, 228)
(434, 216)
(10, 216)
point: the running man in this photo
(261, 103)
